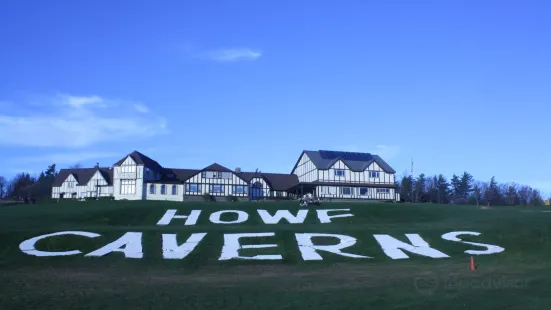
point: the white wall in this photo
(92, 189)
(355, 177)
(130, 172)
(371, 193)
(157, 195)
(228, 181)
(306, 171)
(69, 186)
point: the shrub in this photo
(232, 198)
(107, 198)
(208, 197)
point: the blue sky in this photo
(455, 85)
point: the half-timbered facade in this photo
(327, 174)
(345, 175)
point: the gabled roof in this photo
(180, 175)
(277, 181)
(141, 159)
(357, 162)
(83, 175)
(216, 167)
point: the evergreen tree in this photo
(406, 188)
(443, 189)
(420, 188)
(465, 185)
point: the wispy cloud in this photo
(75, 122)
(69, 157)
(230, 55)
(141, 108)
(77, 101)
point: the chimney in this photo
(237, 170)
(97, 165)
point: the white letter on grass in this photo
(231, 247)
(274, 219)
(490, 249)
(131, 241)
(28, 246)
(308, 249)
(242, 216)
(171, 249)
(324, 217)
(171, 214)
(393, 247)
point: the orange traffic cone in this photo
(473, 266)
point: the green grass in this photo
(518, 278)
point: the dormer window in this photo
(373, 174)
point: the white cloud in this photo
(76, 122)
(229, 55)
(70, 157)
(77, 101)
(141, 108)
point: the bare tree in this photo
(3, 185)
(479, 190)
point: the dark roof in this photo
(216, 167)
(357, 162)
(180, 175)
(141, 159)
(83, 175)
(278, 181)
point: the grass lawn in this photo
(517, 278)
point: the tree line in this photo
(462, 189)
(24, 185)
(465, 189)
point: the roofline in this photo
(298, 160)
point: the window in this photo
(339, 172)
(346, 191)
(279, 194)
(194, 188)
(383, 190)
(174, 190)
(163, 189)
(152, 188)
(363, 191)
(217, 188)
(70, 184)
(373, 174)
(239, 189)
(128, 187)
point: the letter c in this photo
(28, 246)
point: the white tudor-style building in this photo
(327, 174)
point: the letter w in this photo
(274, 219)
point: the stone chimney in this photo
(237, 170)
